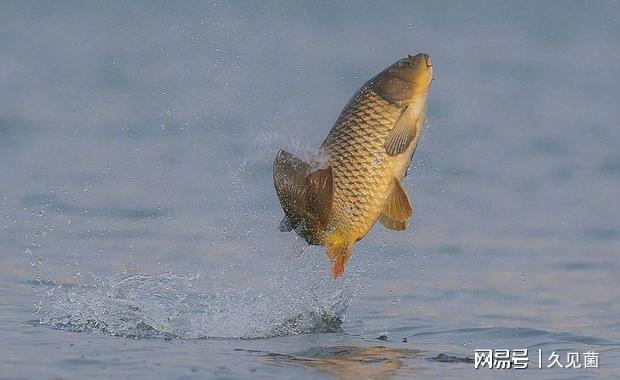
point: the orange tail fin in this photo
(338, 268)
(339, 252)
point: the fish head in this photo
(406, 80)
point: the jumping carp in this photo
(356, 178)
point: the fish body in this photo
(356, 178)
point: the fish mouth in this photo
(427, 58)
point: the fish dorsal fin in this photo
(305, 196)
(397, 208)
(289, 178)
(402, 134)
(320, 193)
(286, 224)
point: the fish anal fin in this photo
(397, 206)
(339, 251)
(320, 193)
(402, 134)
(395, 225)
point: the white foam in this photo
(173, 306)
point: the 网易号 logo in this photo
(520, 359)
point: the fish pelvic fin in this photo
(397, 207)
(395, 225)
(305, 195)
(403, 133)
(339, 250)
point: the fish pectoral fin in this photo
(320, 193)
(397, 208)
(339, 251)
(289, 178)
(395, 225)
(402, 134)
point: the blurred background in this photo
(138, 138)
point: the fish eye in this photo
(404, 63)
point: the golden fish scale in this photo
(362, 170)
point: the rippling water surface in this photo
(138, 223)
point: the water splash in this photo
(300, 297)
(170, 306)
